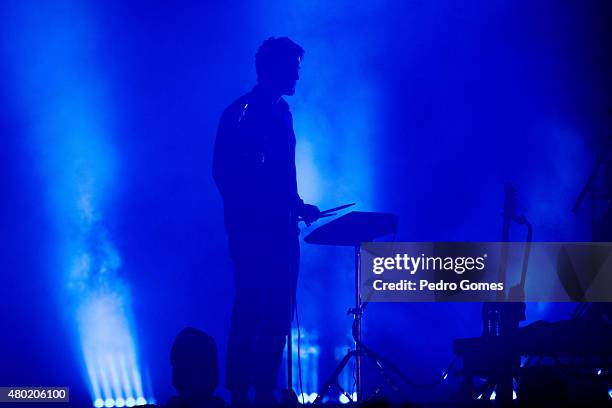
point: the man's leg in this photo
(277, 316)
(245, 321)
(240, 348)
(269, 356)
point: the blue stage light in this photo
(309, 361)
(69, 109)
(494, 394)
(120, 402)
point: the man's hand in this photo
(309, 213)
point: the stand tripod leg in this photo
(357, 326)
(333, 378)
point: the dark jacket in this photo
(254, 167)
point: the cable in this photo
(432, 384)
(405, 379)
(297, 321)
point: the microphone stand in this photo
(590, 188)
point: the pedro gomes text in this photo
(414, 264)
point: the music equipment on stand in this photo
(501, 318)
(573, 349)
(351, 230)
(289, 395)
(576, 349)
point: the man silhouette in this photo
(254, 169)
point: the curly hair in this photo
(275, 53)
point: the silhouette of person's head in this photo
(278, 65)
(194, 363)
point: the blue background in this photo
(424, 109)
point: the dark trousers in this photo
(265, 279)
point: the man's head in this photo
(278, 64)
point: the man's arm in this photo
(309, 213)
(225, 169)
